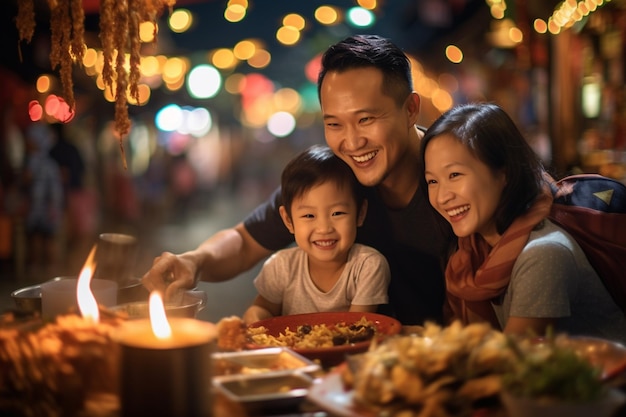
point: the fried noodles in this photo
(316, 336)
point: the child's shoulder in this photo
(361, 250)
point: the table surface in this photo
(107, 405)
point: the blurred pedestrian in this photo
(184, 181)
(44, 189)
(80, 215)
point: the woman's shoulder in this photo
(551, 242)
(548, 233)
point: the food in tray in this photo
(308, 336)
(260, 361)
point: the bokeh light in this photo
(360, 17)
(180, 20)
(204, 81)
(454, 54)
(43, 84)
(327, 15)
(281, 124)
(35, 111)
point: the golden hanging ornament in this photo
(25, 21)
(119, 35)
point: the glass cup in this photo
(116, 255)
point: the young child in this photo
(322, 206)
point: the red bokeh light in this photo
(312, 68)
(35, 111)
(58, 108)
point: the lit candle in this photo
(165, 365)
(60, 297)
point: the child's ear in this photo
(286, 219)
(362, 212)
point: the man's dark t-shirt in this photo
(414, 239)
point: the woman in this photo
(513, 267)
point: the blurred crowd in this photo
(45, 204)
(63, 184)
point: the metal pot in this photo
(28, 299)
(132, 291)
(192, 303)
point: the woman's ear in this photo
(286, 219)
(362, 212)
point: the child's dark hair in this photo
(316, 165)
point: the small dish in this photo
(261, 361)
(264, 392)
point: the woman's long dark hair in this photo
(490, 134)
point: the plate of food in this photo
(327, 337)
(453, 370)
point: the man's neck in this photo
(398, 189)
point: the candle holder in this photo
(166, 377)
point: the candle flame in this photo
(160, 326)
(87, 303)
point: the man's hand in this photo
(170, 275)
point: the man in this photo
(370, 113)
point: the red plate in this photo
(330, 356)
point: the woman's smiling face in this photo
(463, 189)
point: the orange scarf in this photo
(476, 275)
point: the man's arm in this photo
(227, 254)
(224, 255)
(221, 257)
